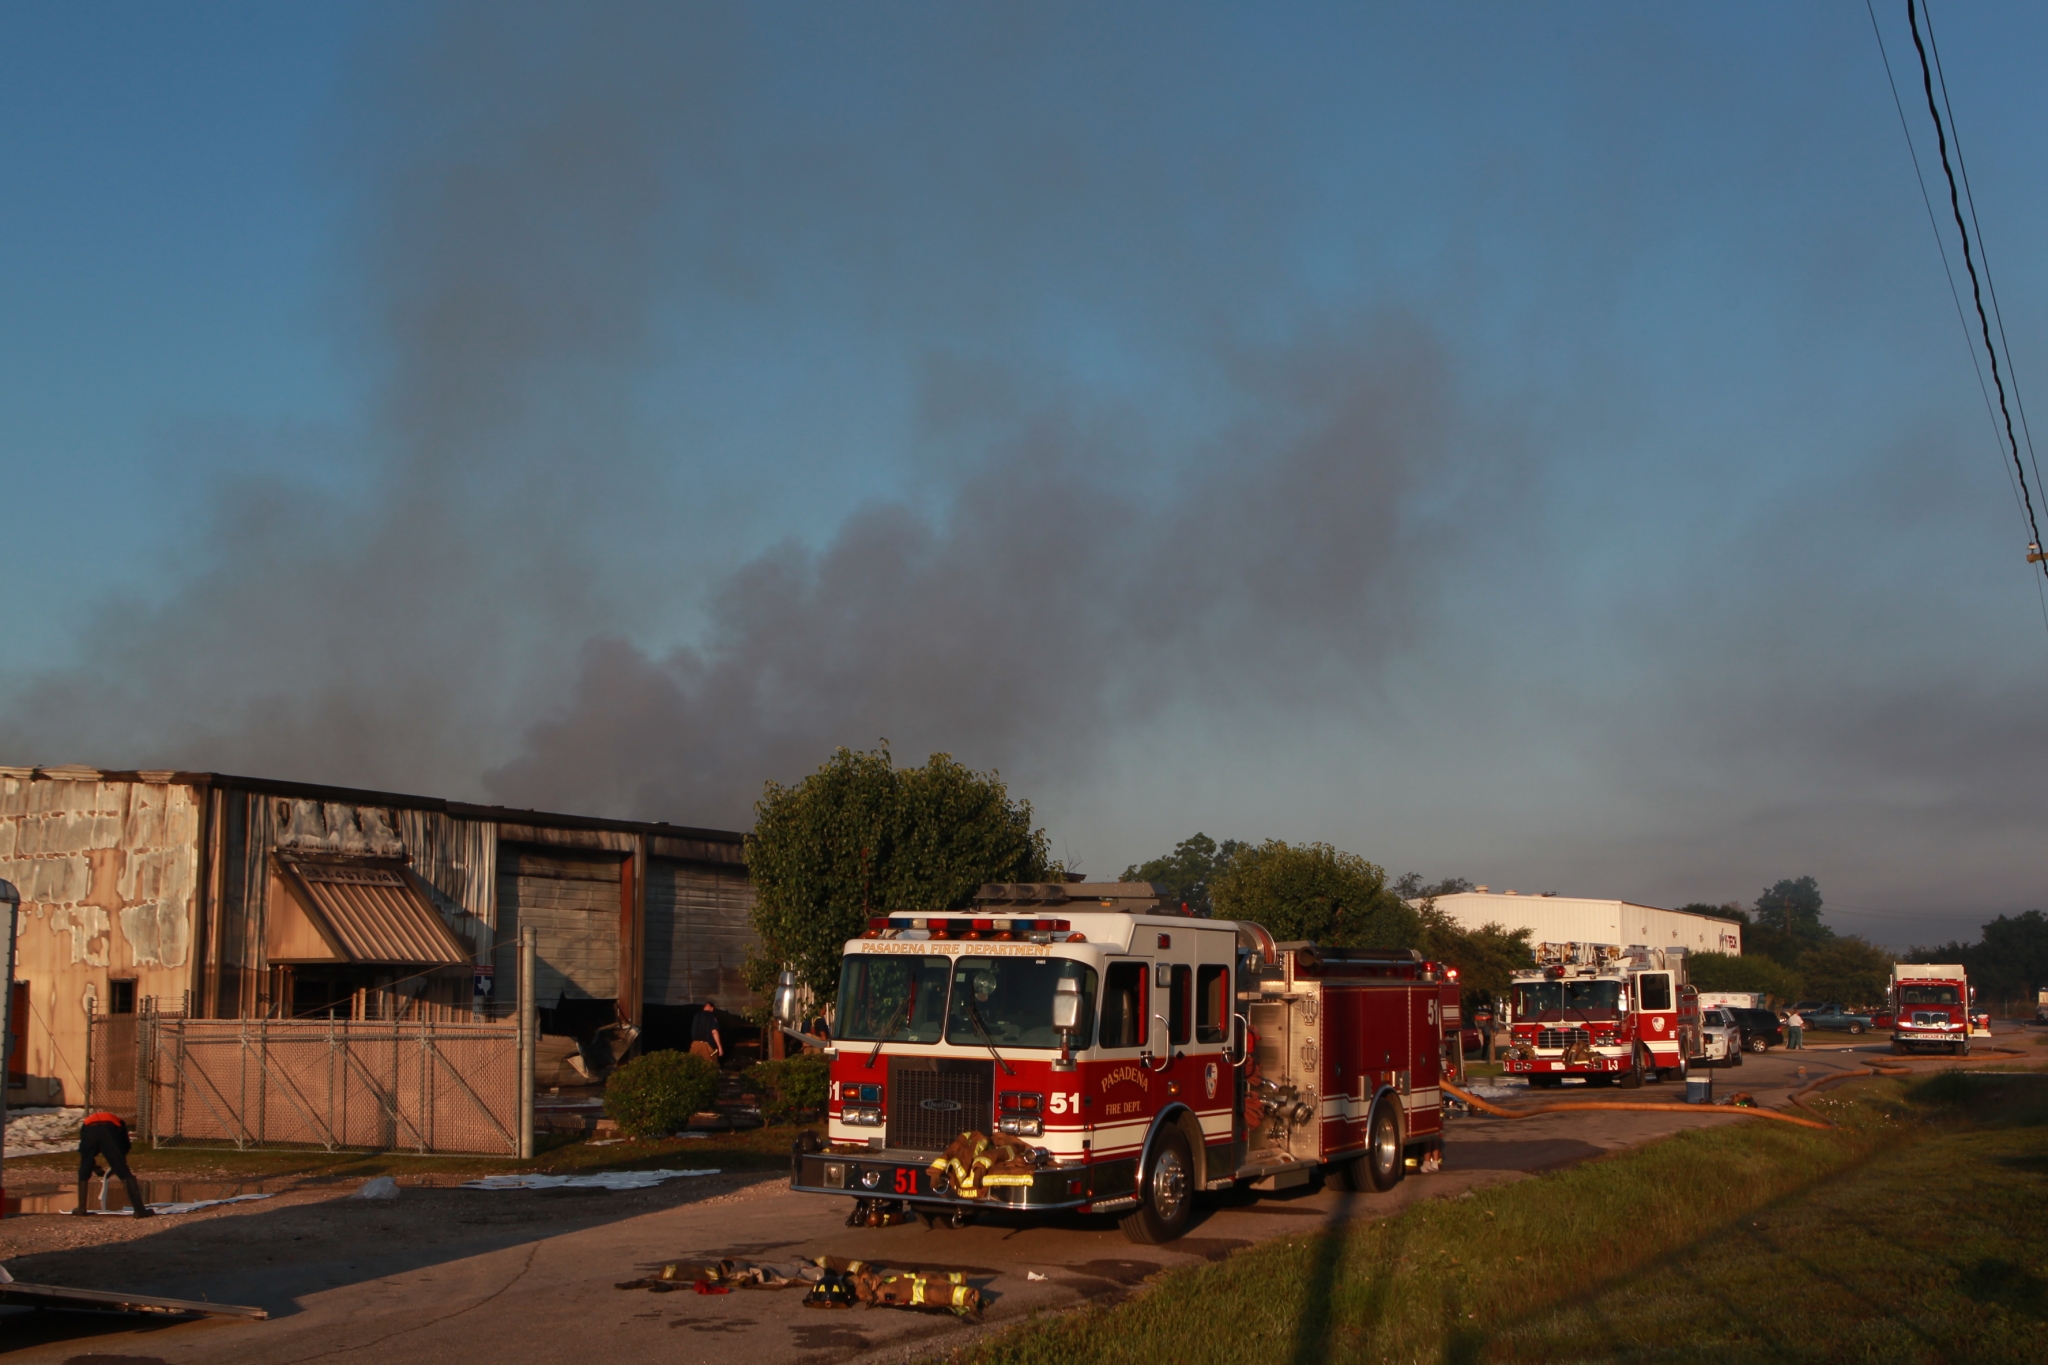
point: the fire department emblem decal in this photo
(1658, 1023)
(1209, 1081)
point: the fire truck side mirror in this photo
(1066, 1005)
(785, 1005)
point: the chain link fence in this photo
(387, 1085)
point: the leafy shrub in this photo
(796, 1085)
(655, 1094)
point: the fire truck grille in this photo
(933, 1100)
(1563, 1037)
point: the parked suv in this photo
(1760, 1029)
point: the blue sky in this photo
(1523, 443)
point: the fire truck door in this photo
(1348, 1092)
(1204, 1078)
(1426, 1059)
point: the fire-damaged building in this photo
(222, 897)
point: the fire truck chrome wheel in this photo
(1383, 1164)
(1166, 1201)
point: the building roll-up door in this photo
(698, 934)
(573, 902)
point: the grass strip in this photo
(1645, 1255)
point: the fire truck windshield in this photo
(902, 999)
(1536, 999)
(1929, 995)
(1012, 997)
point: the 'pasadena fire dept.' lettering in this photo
(1127, 1073)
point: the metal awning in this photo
(369, 911)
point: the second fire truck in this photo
(1609, 1014)
(1088, 1048)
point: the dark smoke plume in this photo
(549, 196)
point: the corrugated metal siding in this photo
(574, 904)
(458, 858)
(698, 934)
(378, 916)
(1568, 919)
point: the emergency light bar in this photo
(945, 926)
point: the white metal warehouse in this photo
(1573, 919)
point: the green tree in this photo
(2009, 963)
(1411, 887)
(1315, 892)
(1729, 910)
(1188, 872)
(1846, 968)
(1486, 957)
(861, 836)
(1746, 972)
(1792, 906)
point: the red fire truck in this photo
(1930, 1004)
(1123, 1055)
(1606, 1013)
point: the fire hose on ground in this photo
(1631, 1106)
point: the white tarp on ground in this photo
(600, 1180)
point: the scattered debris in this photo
(383, 1187)
(42, 1130)
(723, 1276)
(833, 1282)
(601, 1180)
(1033, 1275)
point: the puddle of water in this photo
(47, 1198)
(63, 1199)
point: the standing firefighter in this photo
(105, 1135)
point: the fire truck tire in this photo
(1167, 1200)
(1384, 1163)
(1632, 1079)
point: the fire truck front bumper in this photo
(1540, 1065)
(907, 1175)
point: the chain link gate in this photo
(422, 1086)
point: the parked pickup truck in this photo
(1720, 1038)
(1841, 1020)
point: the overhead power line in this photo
(1941, 245)
(1976, 288)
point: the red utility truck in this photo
(1930, 1005)
(1603, 1012)
(1120, 1056)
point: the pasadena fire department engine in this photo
(1084, 1047)
(1603, 1012)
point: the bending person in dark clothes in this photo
(104, 1135)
